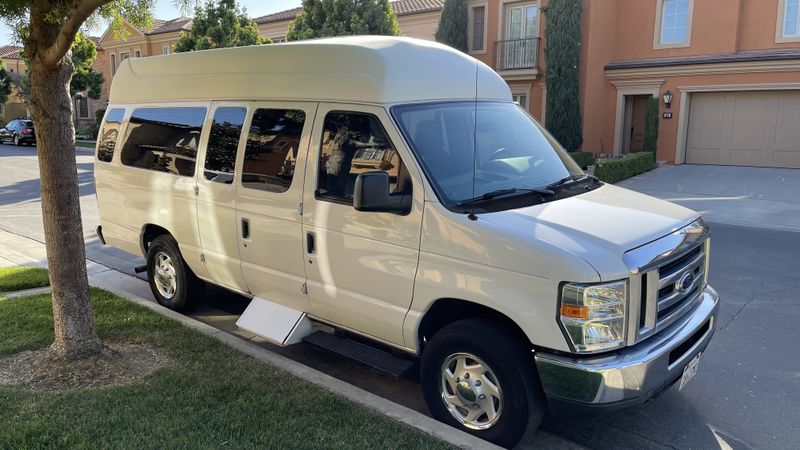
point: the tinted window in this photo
(108, 136)
(222, 144)
(271, 151)
(163, 139)
(354, 143)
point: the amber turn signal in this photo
(574, 311)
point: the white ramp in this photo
(276, 323)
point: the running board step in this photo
(274, 322)
(380, 360)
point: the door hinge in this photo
(304, 288)
(202, 257)
(196, 190)
(300, 209)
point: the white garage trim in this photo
(686, 100)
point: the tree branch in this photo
(78, 15)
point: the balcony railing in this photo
(514, 54)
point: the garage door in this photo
(759, 128)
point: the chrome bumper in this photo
(635, 374)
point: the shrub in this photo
(651, 124)
(562, 33)
(98, 116)
(584, 159)
(616, 170)
(453, 24)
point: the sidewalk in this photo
(19, 250)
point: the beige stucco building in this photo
(14, 65)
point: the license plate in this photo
(689, 371)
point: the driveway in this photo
(752, 196)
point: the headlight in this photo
(593, 315)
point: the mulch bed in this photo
(121, 364)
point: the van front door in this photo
(216, 195)
(360, 265)
(270, 190)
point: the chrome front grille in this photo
(680, 281)
(668, 277)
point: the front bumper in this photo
(633, 375)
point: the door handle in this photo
(245, 229)
(310, 244)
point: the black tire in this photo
(188, 289)
(510, 362)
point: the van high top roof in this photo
(362, 69)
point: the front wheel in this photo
(478, 377)
(173, 283)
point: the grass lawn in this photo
(85, 144)
(209, 397)
(19, 278)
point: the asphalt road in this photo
(745, 395)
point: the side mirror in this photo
(371, 194)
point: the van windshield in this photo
(472, 150)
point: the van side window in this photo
(109, 134)
(354, 143)
(226, 129)
(163, 139)
(271, 151)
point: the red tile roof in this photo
(400, 7)
(406, 7)
(289, 14)
(167, 26)
(10, 52)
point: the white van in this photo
(390, 189)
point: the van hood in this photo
(599, 226)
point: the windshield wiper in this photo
(575, 177)
(505, 193)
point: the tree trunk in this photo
(51, 107)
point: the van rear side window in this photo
(108, 137)
(222, 144)
(163, 139)
(271, 151)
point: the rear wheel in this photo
(478, 377)
(173, 283)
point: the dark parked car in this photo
(19, 131)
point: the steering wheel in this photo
(500, 153)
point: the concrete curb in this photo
(375, 403)
(26, 292)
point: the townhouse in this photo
(727, 73)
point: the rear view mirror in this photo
(371, 194)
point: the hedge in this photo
(584, 159)
(615, 170)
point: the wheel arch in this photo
(149, 232)
(445, 311)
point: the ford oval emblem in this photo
(685, 282)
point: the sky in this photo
(165, 9)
